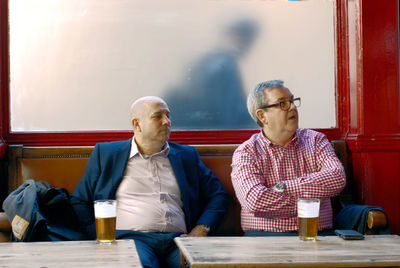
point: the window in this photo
(76, 65)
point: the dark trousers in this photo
(155, 249)
(325, 232)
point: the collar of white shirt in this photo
(135, 149)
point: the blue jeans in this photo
(155, 249)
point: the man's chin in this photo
(293, 128)
(294, 124)
(166, 137)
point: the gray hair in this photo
(256, 98)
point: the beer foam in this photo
(105, 210)
(308, 210)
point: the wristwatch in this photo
(280, 187)
(205, 228)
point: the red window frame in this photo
(184, 137)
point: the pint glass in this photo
(105, 213)
(307, 218)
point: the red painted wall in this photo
(374, 137)
(368, 103)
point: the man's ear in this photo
(261, 116)
(135, 124)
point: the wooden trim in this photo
(26, 152)
(3, 147)
(13, 155)
(342, 67)
(182, 137)
(216, 150)
(54, 152)
(370, 143)
(4, 70)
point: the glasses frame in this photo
(282, 103)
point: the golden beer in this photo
(105, 213)
(307, 218)
(308, 228)
(105, 229)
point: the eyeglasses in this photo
(284, 105)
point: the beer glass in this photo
(307, 218)
(105, 213)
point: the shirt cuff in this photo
(293, 188)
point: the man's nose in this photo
(166, 121)
(292, 106)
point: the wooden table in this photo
(69, 254)
(327, 251)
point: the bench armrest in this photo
(5, 228)
(4, 223)
(376, 220)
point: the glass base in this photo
(108, 242)
(307, 238)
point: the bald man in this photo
(162, 188)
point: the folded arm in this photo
(251, 188)
(321, 175)
(328, 179)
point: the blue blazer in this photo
(203, 197)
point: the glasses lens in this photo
(297, 102)
(285, 105)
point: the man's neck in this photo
(283, 139)
(148, 148)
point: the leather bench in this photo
(63, 167)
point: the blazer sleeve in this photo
(82, 197)
(211, 194)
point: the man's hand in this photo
(198, 230)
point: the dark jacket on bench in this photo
(39, 212)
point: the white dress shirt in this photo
(149, 198)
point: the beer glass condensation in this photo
(105, 213)
(307, 218)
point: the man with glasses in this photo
(282, 163)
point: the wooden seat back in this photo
(63, 167)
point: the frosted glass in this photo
(79, 64)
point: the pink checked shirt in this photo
(309, 167)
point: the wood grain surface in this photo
(327, 251)
(81, 254)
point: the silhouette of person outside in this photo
(212, 96)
